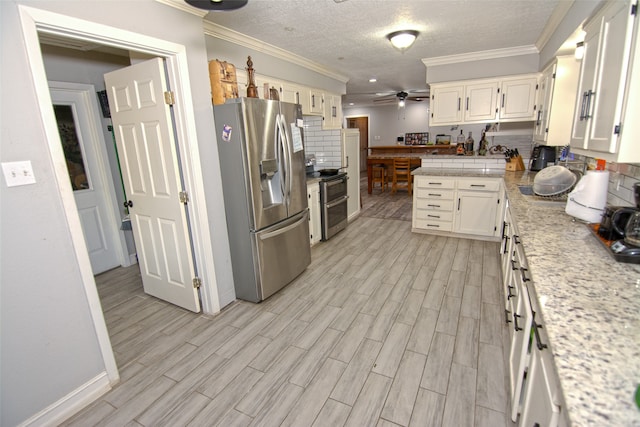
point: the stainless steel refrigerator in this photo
(261, 149)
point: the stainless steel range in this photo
(333, 202)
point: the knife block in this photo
(516, 164)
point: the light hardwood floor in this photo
(385, 328)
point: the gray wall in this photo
(521, 64)
(388, 122)
(48, 343)
(73, 66)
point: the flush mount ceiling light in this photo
(220, 5)
(403, 39)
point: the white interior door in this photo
(147, 151)
(83, 144)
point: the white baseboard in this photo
(72, 403)
(133, 259)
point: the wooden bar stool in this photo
(379, 175)
(401, 173)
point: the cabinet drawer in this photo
(434, 182)
(434, 215)
(434, 194)
(434, 204)
(426, 224)
(470, 184)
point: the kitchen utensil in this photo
(553, 181)
(328, 172)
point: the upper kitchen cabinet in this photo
(463, 102)
(332, 117)
(505, 99)
(554, 114)
(315, 102)
(518, 99)
(446, 104)
(605, 123)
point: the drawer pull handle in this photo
(509, 294)
(435, 183)
(506, 316)
(516, 239)
(515, 322)
(435, 194)
(433, 216)
(524, 278)
(513, 265)
(539, 343)
(433, 225)
(478, 185)
(434, 206)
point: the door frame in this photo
(35, 20)
(368, 117)
(90, 104)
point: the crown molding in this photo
(554, 21)
(181, 5)
(480, 55)
(224, 33)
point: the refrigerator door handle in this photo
(286, 148)
(283, 230)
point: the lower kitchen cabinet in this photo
(464, 207)
(315, 226)
(536, 398)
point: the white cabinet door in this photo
(476, 213)
(332, 117)
(315, 102)
(480, 102)
(556, 91)
(313, 198)
(538, 407)
(290, 93)
(603, 75)
(543, 103)
(446, 104)
(518, 99)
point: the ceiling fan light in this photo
(401, 103)
(402, 40)
(217, 5)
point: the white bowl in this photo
(553, 180)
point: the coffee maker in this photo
(541, 157)
(629, 245)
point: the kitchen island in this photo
(589, 305)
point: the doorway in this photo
(76, 112)
(35, 21)
(362, 124)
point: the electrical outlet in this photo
(18, 173)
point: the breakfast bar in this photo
(384, 155)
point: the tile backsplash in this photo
(622, 177)
(324, 144)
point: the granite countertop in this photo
(589, 305)
(489, 173)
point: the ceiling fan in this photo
(403, 96)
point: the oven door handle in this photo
(334, 182)
(337, 202)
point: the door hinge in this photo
(197, 282)
(617, 128)
(536, 86)
(634, 9)
(169, 98)
(553, 76)
(184, 197)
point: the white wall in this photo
(49, 347)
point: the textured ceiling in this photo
(349, 36)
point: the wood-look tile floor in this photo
(385, 328)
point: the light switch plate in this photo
(18, 173)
